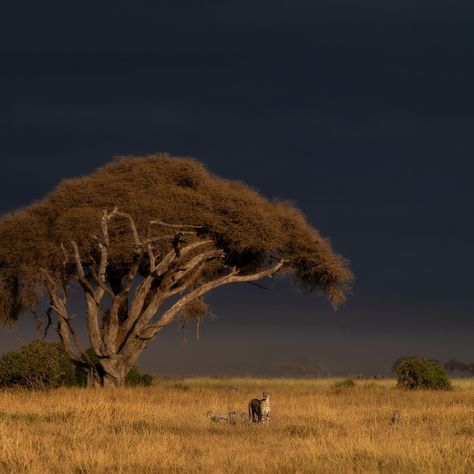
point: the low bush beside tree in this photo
(38, 364)
(134, 378)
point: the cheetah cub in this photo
(395, 418)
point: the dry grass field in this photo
(315, 428)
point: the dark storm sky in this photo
(360, 112)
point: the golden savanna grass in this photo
(315, 428)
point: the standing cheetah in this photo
(259, 410)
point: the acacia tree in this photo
(145, 239)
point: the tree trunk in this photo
(93, 378)
(108, 374)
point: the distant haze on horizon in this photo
(362, 114)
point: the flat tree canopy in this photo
(252, 231)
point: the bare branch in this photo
(104, 255)
(49, 323)
(104, 224)
(65, 255)
(38, 320)
(64, 327)
(136, 238)
(169, 258)
(92, 315)
(169, 289)
(80, 271)
(141, 294)
(92, 298)
(193, 263)
(132, 273)
(104, 261)
(158, 271)
(232, 277)
(176, 226)
(100, 277)
(64, 277)
(258, 285)
(112, 327)
(151, 256)
(100, 282)
(75, 338)
(139, 318)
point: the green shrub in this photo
(38, 364)
(418, 372)
(41, 364)
(135, 378)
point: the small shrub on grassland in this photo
(346, 383)
(419, 372)
(343, 385)
(38, 364)
(135, 378)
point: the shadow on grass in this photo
(55, 417)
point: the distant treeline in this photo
(452, 365)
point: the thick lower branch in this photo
(150, 331)
(93, 298)
(148, 299)
(58, 305)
